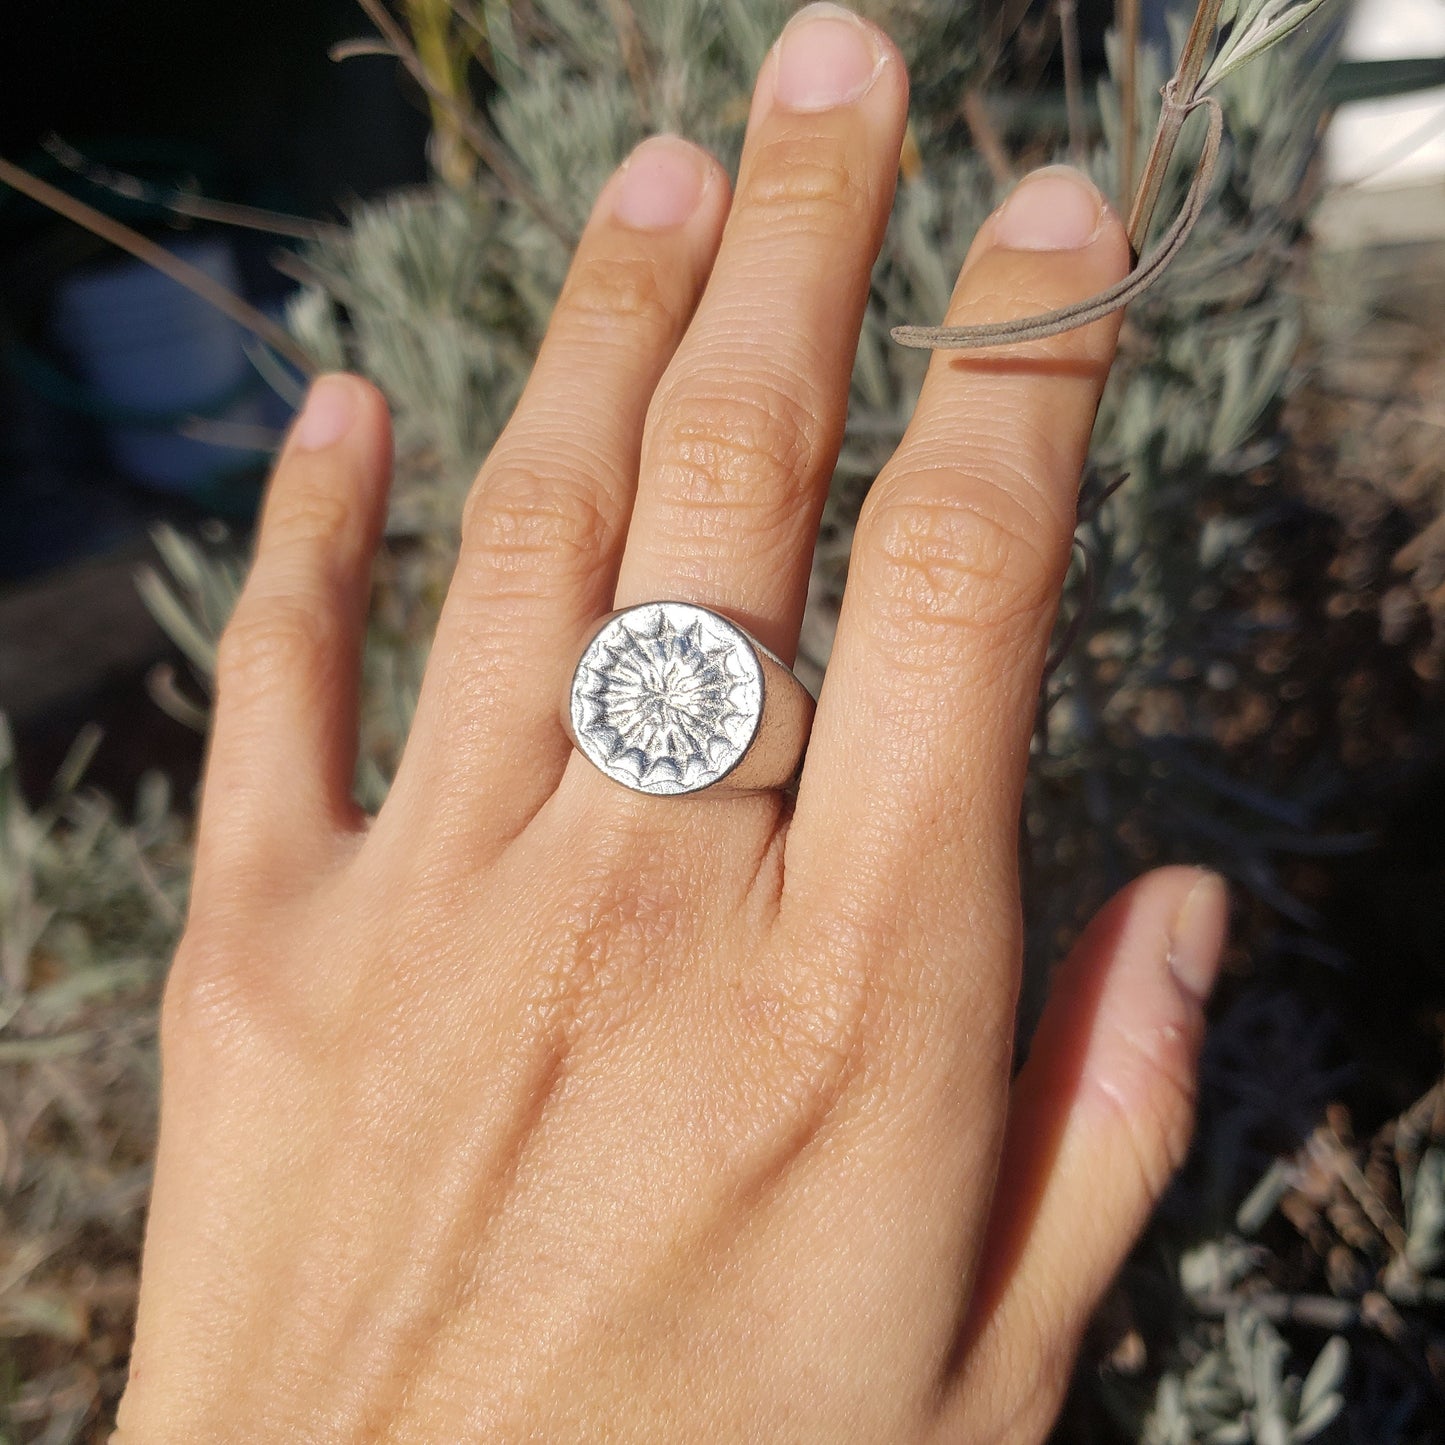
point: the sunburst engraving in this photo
(667, 698)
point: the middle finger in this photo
(743, 431)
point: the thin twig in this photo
(1010, 16)
(144, 249)
(1127, 24)
(1322, 1312)
(1423, 1120)
(360, 48)
(276, 377)
(151, 885)
(296, 267)
(235, 435)
(185, 203)
(985, 136)
(1338, 1157)
(1073, 77)
(165, 692)
(476, 21)
(1193, 59)
(486, 146)
(1083, 609)
(634, 54)
(1092, 498)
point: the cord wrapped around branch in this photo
(1139, 280)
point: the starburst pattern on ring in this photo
(658, 694)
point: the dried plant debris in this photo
(1346, 1238)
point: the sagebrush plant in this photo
(90, 904)
(1180, 662)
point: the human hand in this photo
(536, 1108)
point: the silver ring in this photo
(668, 697)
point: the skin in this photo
(535, 1109)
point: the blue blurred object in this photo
(154, 355)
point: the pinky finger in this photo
(1100, 1119)
(283, 740)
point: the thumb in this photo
(1099, 1120)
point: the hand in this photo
(534, 1108)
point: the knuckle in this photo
(957, 555)
(269, 639)
(741, 448)
(627, 291)
(521, 512)
(806, 183)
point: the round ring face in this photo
(667, 698)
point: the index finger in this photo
(908, 812)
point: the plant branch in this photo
(488, 149)
(1127, 24)
(1011, 14)
(985, 136)
(1185, 93)
(634, 53)
(446, 62)
(1320, 1312)
(1178, 95)
(1068, 11)
(185, 203)
(144, 249)
(1081, 313)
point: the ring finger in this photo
(744, 429)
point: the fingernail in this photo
(662, 181)
(1055, 209)
(327, 415)
(826, 57)
(1196, 939)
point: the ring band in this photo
(669, 697)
